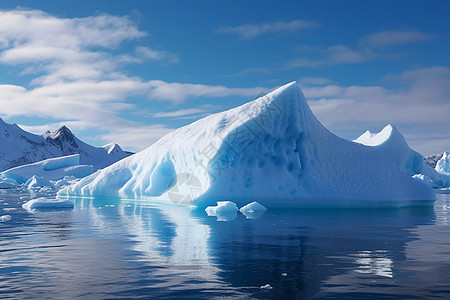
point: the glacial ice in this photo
(51, 169)
(272, 150)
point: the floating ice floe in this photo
(224, 211)
(272, 150)
(5, 218)
(252, 210)
(47, 203)
(266, 287)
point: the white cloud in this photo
(78, 79)
(420, 108)
(383, 39)
(249, 31)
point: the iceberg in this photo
(443, 165)
(273, 150)
(50, 169)
(439, 176)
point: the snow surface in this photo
(47, 203)
(272, 150)
(18, 147)
(375, 139)
(51, 169)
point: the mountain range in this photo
(19, 147)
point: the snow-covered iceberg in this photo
(272, 150)
(49, 169)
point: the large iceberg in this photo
(272, 150)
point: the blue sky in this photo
(132, 71)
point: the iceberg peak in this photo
(273, 150)
(388, 134)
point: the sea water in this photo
(113, 249)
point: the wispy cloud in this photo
(369, 47)
(188, 112)
(249, 31)
(153, 54)
(384, 39)
(174, 91)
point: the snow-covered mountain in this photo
(272, 150)
(19, 147)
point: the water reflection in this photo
(374, 262)
(118, 249)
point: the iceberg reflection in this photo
(374, 262)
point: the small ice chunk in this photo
(9, 208)
(284, 274)
(37, 181)
(224, 211)
(5, 218)
(266, 287)
(47, 203)
(252, 210)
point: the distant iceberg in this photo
(272, 150)
(39, 173)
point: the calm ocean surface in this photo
(105, 249)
